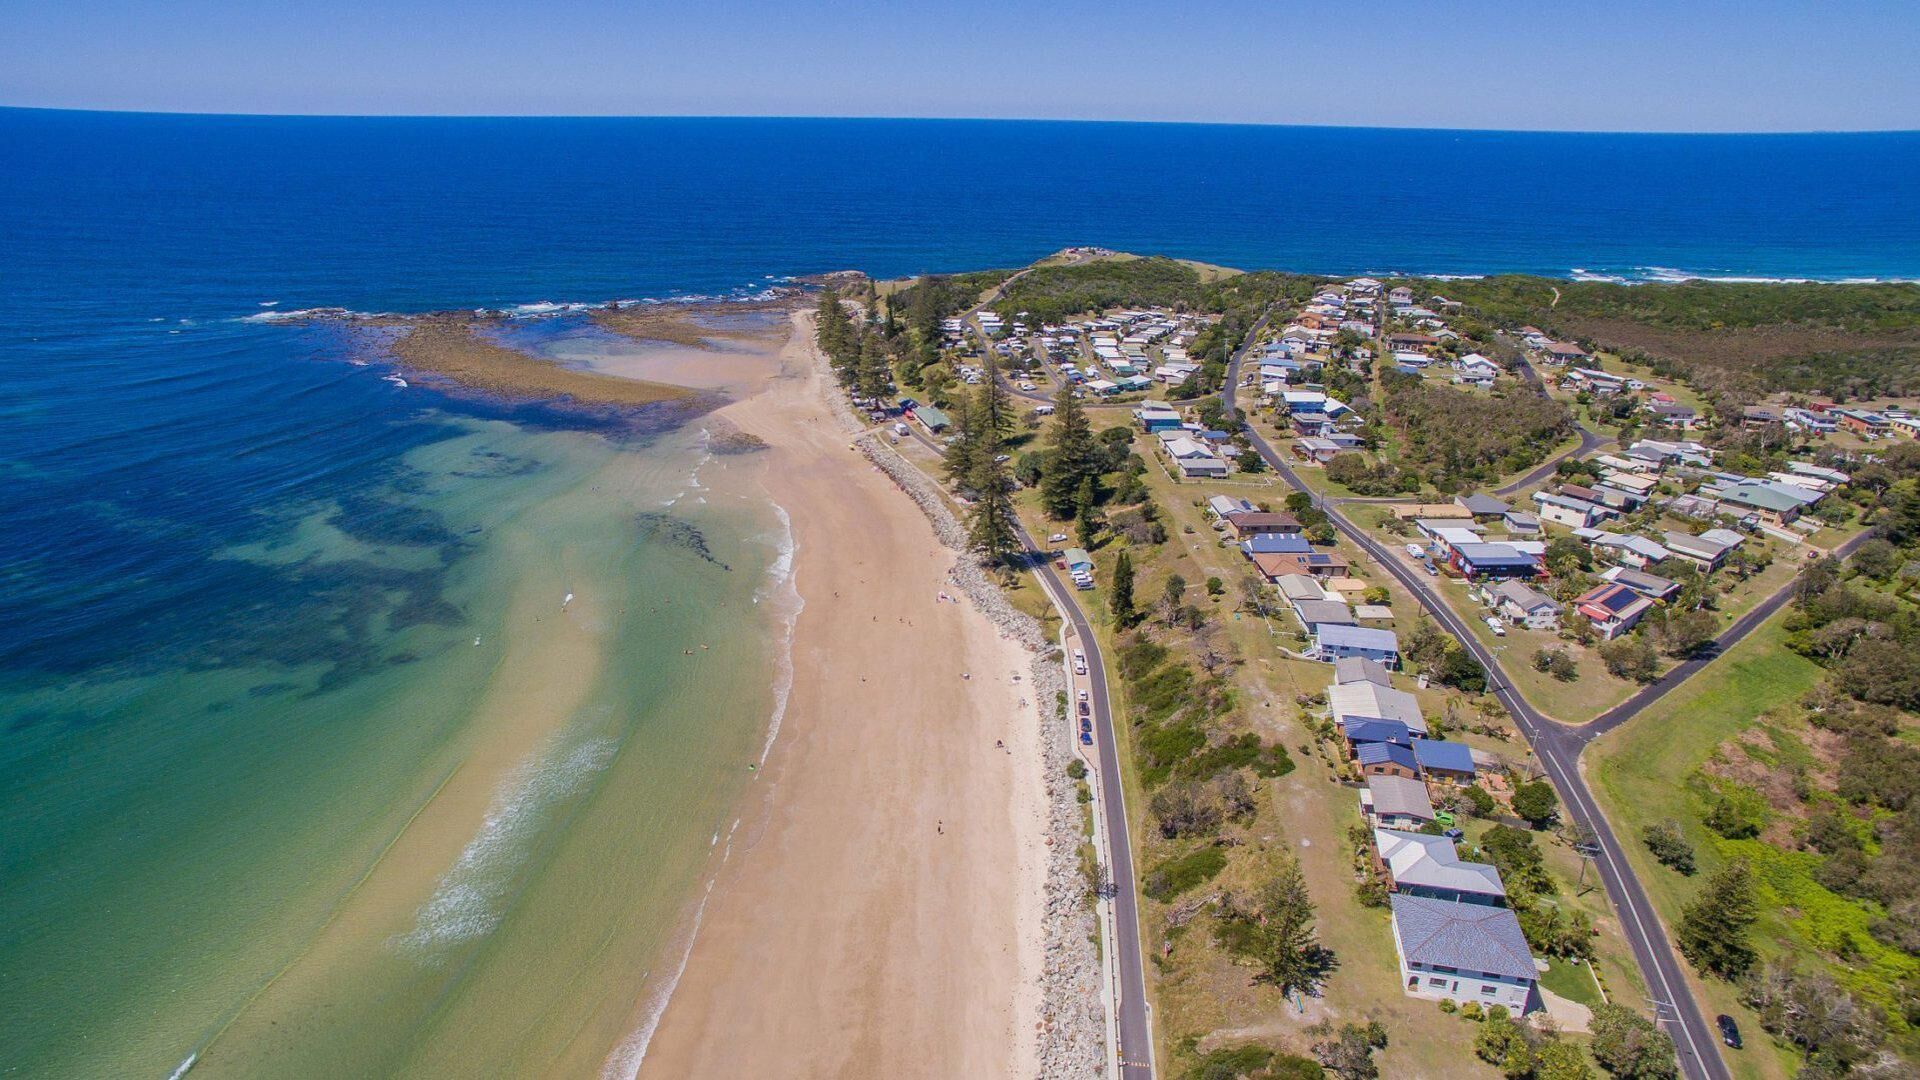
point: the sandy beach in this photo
(879, 913)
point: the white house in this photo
(1467, 952)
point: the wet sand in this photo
(454, 346)
(880, 913)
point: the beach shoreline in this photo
(887, 903)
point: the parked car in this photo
(1057, 538)
(1086, 738)
(1729, 1031)
(1416, 551)
(1499, 629)
(1086, 709)
(1455, 834)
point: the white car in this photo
(1057, 538)
(1499, 628)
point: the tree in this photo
(1713, 930)
(1120, 596)
(1291, 957)
(1086, 522)
(965, 446)
(1458, 668)
(1631, 1047)
(1349, 1054)
(1479, 802)
(1073, 459)
(1500, 1043)
(833, 330)
(998, 418)
(1535, 802)
(1684, 632)
(1668, 845)
(1631, 658)
(1175, 589)
(1556, 1060)
(992, 529)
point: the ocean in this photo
(266, 616)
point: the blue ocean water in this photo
(148, 430)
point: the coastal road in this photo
(1136, 1032)
(1135, 1029)
(1558, 748)
(1589, 442)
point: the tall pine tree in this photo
(964, 444)
(1073, 459)
(1120, 596)
(1713, 929)
(991, 527)
(833, 330)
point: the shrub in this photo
(1472, 1011)
(1447, 1005)
(1177, 875)
(1479, 802)
(1669, 846)
(1536, 802)
(1077, 769)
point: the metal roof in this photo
(1466, 937)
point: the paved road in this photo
(1136, 1032)
(1589, 442)
(1558, 747)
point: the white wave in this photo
(269, 303)
(1669, 275)
(308, 314)
(465, 902)
(783, 586)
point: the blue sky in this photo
(1680, 65)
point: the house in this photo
(1385, 759)
(1192, 457)
(1613, 609)
(1222, 505)
(1315, 614)
(1155, 417)
(1386, 731)
(1652, 586)
(1628, 548)
(1476, 366)
(1421, 865)
(931, 418)
(1245, 523)
(1275, 544)
(1296, 587)
(1396, 802)
(1764, 501)
(1759, 416)
(1320, 564)
(1525, 605)
(1477, 561)
(1483, 506)
(1078, 561)
(1368, 700)
(1317, 449)
(1708, 555)
(1466, 952)
(1575, 513)
(1862, 422)
(1521, 522)
(1355, 669)
(1565, 352)
(1673, 414)
(1448, 761)
(1332, 642)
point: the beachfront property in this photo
(1365, 699)
(1463, 951)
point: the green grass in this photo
(1640, 775)
(1571, 980)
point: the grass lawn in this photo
(1571, 981)
(1639, 775)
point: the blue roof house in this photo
(1444, 760)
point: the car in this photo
(1729, 1031)
(1086, 709)
(1455, 834)
(1416, 551)
(1086, 723)
(1086, 738)
(1499, 629)
(1057, 538)
(1083, 695)
(1431, 569)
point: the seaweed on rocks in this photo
(676, 532)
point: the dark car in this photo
(1086, 738)
(1455, 834)
(1085, 709)
(1729, 1031)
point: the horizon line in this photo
(1676, 132)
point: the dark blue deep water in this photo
(142, 425)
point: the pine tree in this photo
(997, 420)
(1120, 597)
(875, 375)
(1086, 524)
(962, 458)
(1289, 951)
(991, 529)
(1713, 929)
(1073, 459)
(833, 330)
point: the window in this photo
(1436, 981)
(1489, 991)
(1445, 968)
